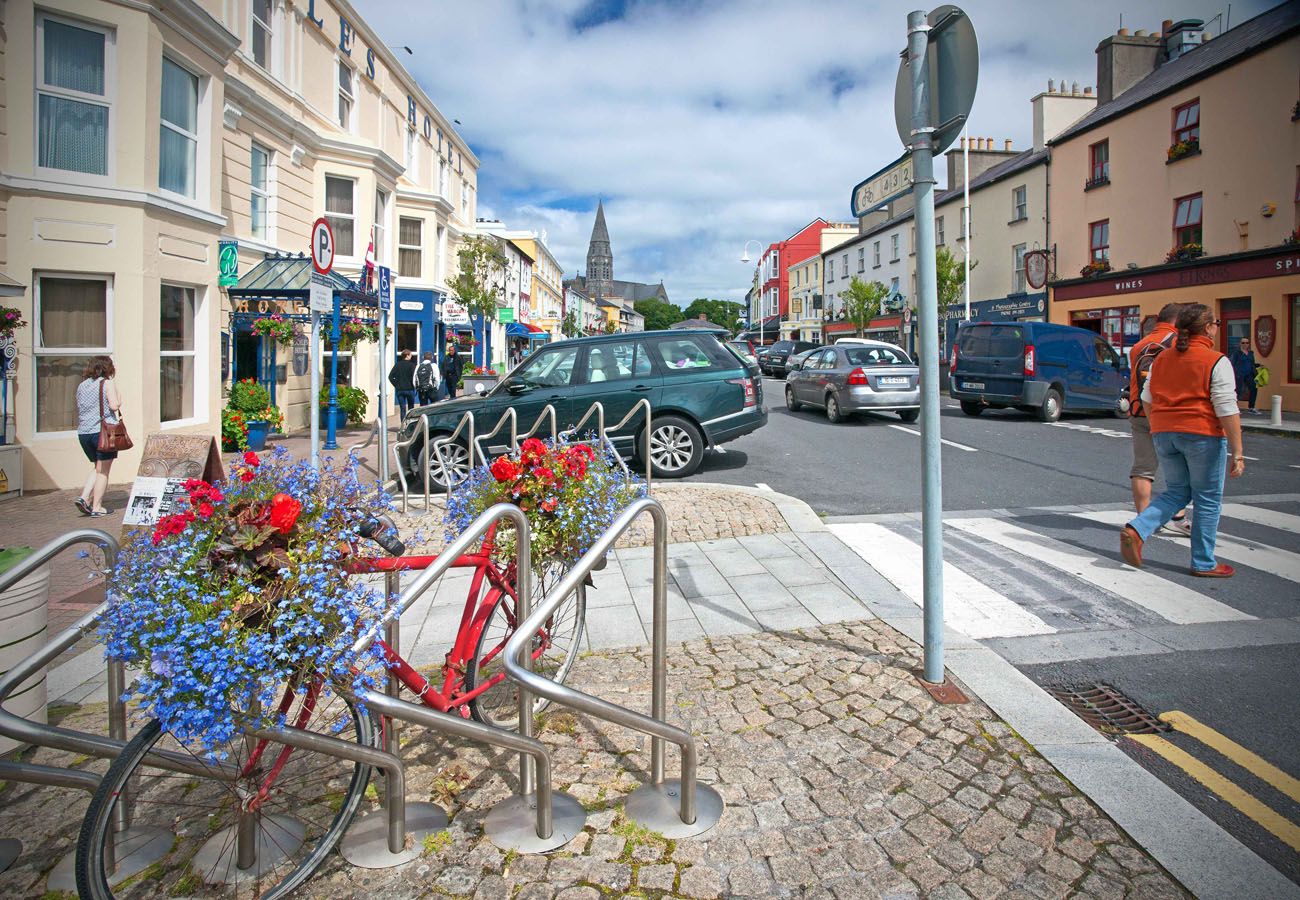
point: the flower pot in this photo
(340, 418)
(476, 384)
(257, 432)
(24, 609)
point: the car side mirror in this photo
(517, 386)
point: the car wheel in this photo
(790, 403)
(833, 413)
(971, 408)
(908, 415)
(676, 447)
(1050, 411)
(451, 464)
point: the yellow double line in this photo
(1265, 816)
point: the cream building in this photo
(137, 136)
(548, 277)
(806, 288)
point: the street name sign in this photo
(321, 299)
(322, 246)
(890, 183)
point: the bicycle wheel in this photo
(555, 647)
(258, 833)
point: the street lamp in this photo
(744, 258)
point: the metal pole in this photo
(383, 399)
(659, 664)
(428, 462)
(965, 212)
(313, 405)
(523, 606)
(331, 438)
(394, 800)
(927, 307)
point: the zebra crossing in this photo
(1036, 572)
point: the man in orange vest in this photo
(1145, 462)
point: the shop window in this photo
(260, 193)
(1187, 221)
(409, 247)
(340, 211)
(72, 315)
(1098, 164)
(1019, 204)
(179, 130)
(1293, 375)
(1187, 123)
(347, 95)
(74, 98)
(262, 33)
(176, 351)
(1099, 241)
(1018, 268)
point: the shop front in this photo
(881, 328)
(1255, 294)
(417, 326)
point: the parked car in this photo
(851, 378)
(701, 395)
(760, 354)
(745, 349)
(774, 362)
(796, 361)
(1038, 367)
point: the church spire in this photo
(600, 258)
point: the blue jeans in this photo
(1193, 466)
(405, 400)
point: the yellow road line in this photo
(1267, 818)
(1255, 765)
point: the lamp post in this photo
(744, 258)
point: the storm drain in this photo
(1107, 710)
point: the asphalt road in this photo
(1060, 606)
(871, 464)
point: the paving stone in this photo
(699, 882)
(656, 878)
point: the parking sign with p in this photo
(322, 246)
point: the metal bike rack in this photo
(631, 413)
(465, 424)
(556, 817)
(398, 446)
(510, 415)
(699, 807)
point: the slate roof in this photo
(1025, 159)
(1246, 39)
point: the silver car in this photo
(870, 376)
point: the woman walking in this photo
(1191, 401)
(97, 402)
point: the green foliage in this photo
(436, 842)
(352, 400)
(234, 424)
(247, 396)
(610, 327)
(862, 302)
(950, 277)
(658, 314)
(481, 283)
(719, 312)
(569, 327)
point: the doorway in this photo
(1235, 318)
(408, 338)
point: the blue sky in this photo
(707, 123)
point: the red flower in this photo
(583, 450)
(170, 525)
(577, 467)
(545, 474)
(250, 459)
(284, 512)
(247, 475)
(549, 504)
(193, 484)
(206, 510)
(531, 451)
(504, 469)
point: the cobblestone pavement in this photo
(843, 779)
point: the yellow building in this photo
(548, 278)
(1181, 186)
(138, 136)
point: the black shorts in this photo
(90, 446)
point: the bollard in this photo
(1275, 410)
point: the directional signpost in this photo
(932, 99)
(890, 183)
(322, 300)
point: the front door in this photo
(1235, 316)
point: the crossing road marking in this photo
(1261, 515)
(1178, 604)
(973, 608)
(941, 440)
(1092, 429)
(1258, 766)
(762, 486)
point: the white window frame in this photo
(876, 254)
(269, 27)
(862, 259)
(267, 194)
(830, 268)
(196, 136)
(1019, 203)
(938, 231)
(893, 247)
(380, 230)
(199, 353)
(38, 350)
(1018, 283)
(418, 248)
(350, 94)
(108, 99)
(351, 216)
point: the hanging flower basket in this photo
(354, 331)
(11, 320)
(242, 592)
(277, 328)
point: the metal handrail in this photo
(517, 654)
(548, 412)
(644, 401)
(466, 420)
(514, 427)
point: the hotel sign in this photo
(1217, 272)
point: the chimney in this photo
(1054, 111)
(1123, 60)
(1180, 37)
(984, 155)
(1007, 148)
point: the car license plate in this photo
(894, 382)
(973, 385)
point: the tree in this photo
(610, 327)
(481, 283)
(862, 302)
(719, 312)
(570, 327)
(658, 313)
(950, 279)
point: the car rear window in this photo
(1000, 341)
(876, 356)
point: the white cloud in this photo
(706, 124)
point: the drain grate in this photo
(1107, 710)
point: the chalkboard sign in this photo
(301, 355)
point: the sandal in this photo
(81, 504)
(96, 513)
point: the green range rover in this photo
(701, 392)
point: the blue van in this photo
(1037, 367)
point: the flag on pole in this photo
(370, 260)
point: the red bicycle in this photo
(258, 817)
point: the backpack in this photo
(1142, 371)
(424, 375)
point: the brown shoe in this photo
(1222, 570)
(1130, 546)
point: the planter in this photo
(11, 471)
(23, 612)
(340, 419)
(476, 384)
(257, 432)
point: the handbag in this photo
(112, 438)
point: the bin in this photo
(24, 612)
